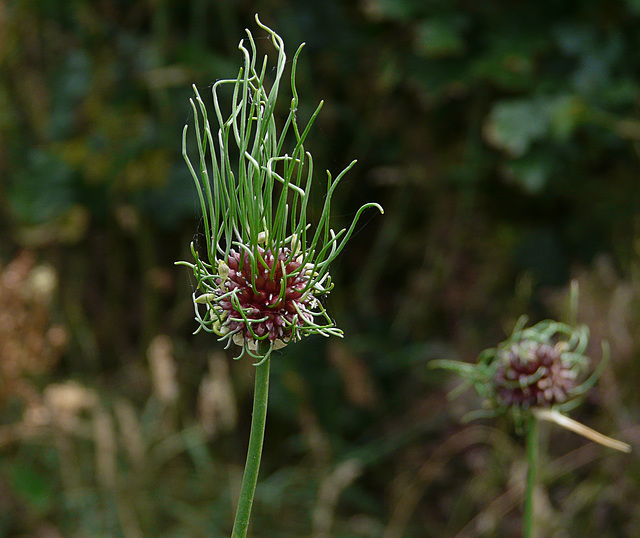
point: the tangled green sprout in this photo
(266, 269)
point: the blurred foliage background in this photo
(503, 140)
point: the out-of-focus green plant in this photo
(538, 373)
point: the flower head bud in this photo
(223, 271)
(262, 237)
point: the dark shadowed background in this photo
(503, 140)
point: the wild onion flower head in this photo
(543, 366)
(540, 372)
(266, 269)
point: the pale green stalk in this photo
(254, 453)
(531, 447)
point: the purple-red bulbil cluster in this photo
(269, 305)
(532, 374)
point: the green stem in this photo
(256, 438)
(532, 458)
